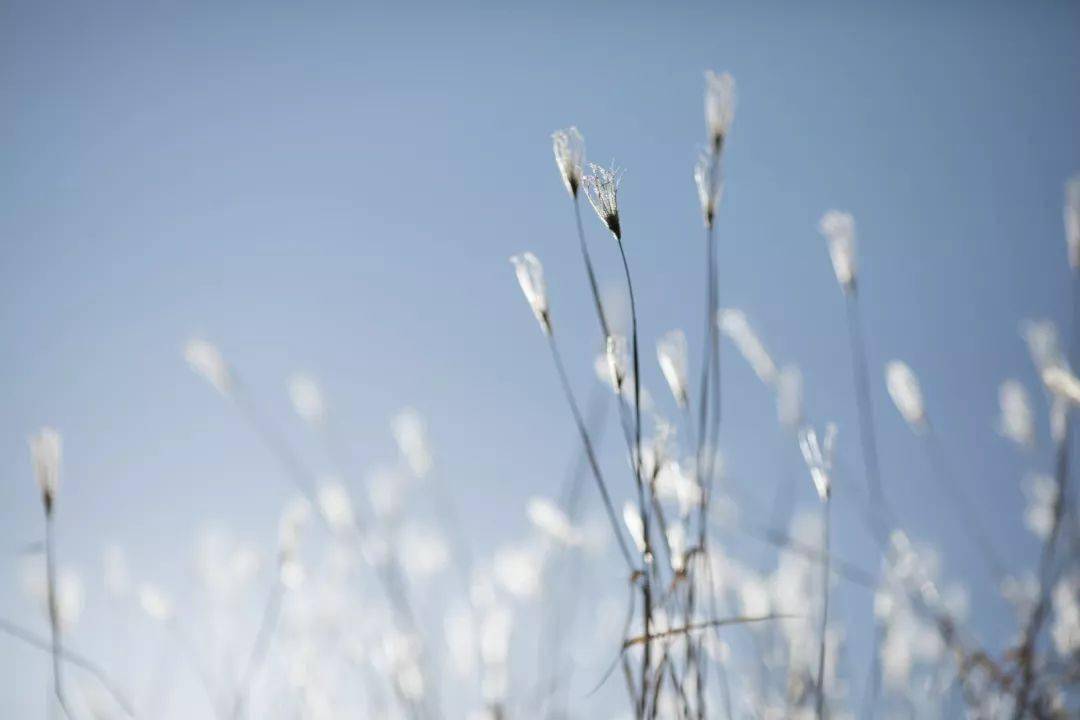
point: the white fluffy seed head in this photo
(45, 453)
(551, 520)
(207, 362)
(734, 324)
(634, 526)
(1017, 420)
(1043, 346)
(671, 351)
(307, 398)
(676, 538)
(410, 432)
(335, 505)
(530, 276)
(839, 230)
(818, 456)
(602, 189)
(1062, 383)
(1072, 220)
(709, 186)
(719, 107)
(569, 147)
(905, 393)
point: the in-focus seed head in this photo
(671, 351)
(905, 393)
(206, 361)
(45, 453)
(569, 147)
(1072, 220)
(634, 525)
(602, 188)
(615, 349)
(709, 186)
(839, 230)
(789, 396)
(1017, 421)
(530, 276)
(307, 398)
(719, 107)
(818, 457)
(734, 324)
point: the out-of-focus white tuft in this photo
(789, 396)
(676, 538)
(530, 276)
(335, 505)
(1065, 630)
(905, 393)
(207, 362)
(1072, 220)
(116, 572)
(423, 552)
(569, 147)
(634, 525)
(517, 569)
(410, 432)
(710, 187)
(719, 106)
(1041, 493)
(675, 481)
(1017, 420)
(154, 603)
(45, 453)
(1043, 346)
(671, 351)
(602, 189)
(734, 324)
(551, 520)
(616, 354)
(818, 457)
(839, 230)
(1062, 383)
(307, 398)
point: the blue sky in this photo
(337, 188)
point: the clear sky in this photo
(336, 188)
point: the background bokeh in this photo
(336, 188)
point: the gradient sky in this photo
(337, 187)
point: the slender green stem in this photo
(824, 605)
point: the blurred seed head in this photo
(905, 393)
(789, 396)
(155, 603)
(819, 457)
(294, 517)
(410, 432)
(734, 324)
(1041, 493)
(1072, 220)
(335, 505)
(671, 351)
(207, 362)
(719, 107)
(551, 520)
(530, 276)
(569, 147)
(517, 569)
(634, 525)
(1017, 420)
(839, 230)
(45, 454)
(1043, 346)
(307, 398)
(709, 186)
(1062, 383)
(616, 354)
(602, 188)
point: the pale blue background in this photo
(337, 187)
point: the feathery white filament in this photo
(905, 393)
(719, 105)
(1017, 421)
(839, 230)
(602, 189)
(671, 352)
(569, 147)
(206, 361)
(45, 453)
(676, 537)
(1043, 346)
(530, 276)
(734, 324)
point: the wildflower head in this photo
(206, 360)
(719, 107)
(818, 457)
(602, 188)
(569, 147)
(905, 393)
(530, 275)
(839, 230)
(709, 186)
(45, 452)
(616, 353)
(1072, 220)
(671, 353)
